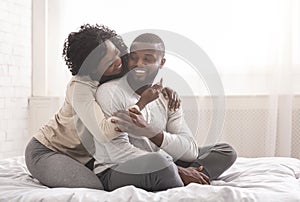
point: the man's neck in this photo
(135, 88)
(142, 89)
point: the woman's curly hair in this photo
(80, 44)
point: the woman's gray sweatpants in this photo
(55, 169)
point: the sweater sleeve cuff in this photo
(167, 139)
(135, 107)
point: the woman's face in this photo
(111, 62)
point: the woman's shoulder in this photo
(81, 86)
(83, 80)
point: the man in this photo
(155, 137)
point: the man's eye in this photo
(148, 59)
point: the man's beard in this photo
(138, 84)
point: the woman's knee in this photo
(59, 170)
(55, 169)
(29, 157)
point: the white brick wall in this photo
(15, 75)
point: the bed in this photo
(249, 179)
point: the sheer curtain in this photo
(284, 80)
(268, 65)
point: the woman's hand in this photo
(172, 96)
(150, 94)
(133, 122)
(191, 174)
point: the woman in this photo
(56, 155)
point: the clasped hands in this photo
(133, 123)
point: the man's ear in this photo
(162, 62)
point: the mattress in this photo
(249, 179)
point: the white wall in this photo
(15, 75)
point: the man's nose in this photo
(140, 63)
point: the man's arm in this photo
(177, 140)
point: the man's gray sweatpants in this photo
(154, 172)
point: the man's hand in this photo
(133, 122)
(191, 174)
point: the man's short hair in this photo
(149, 38)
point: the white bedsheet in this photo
(249, 179)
